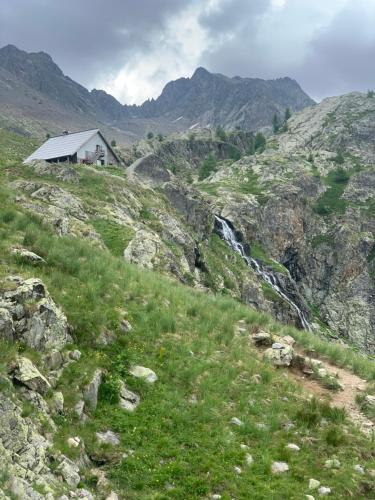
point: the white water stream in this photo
(229, 236)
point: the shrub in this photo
(220, 134)
(260, 142)
(150, 135)
(207, 167)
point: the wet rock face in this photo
(28, 313)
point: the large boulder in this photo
(36, 320)
(24, 372)
(279, 354)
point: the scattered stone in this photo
(215, 496)
(316, 363)
(74, 442)
(309, 497)
(27, 374)
(106, 338)
(108, 437)
(279, 354)
(261, 426)
(112, 496)
(75, 355)
(90, 392)
(262, 339)
(359, 469)
(236, 421)
(78, 408)
(31, 257)
(128, 399)
(370, 400)
(324, 491)
(70, 472)
(289, 340)
(237, 469)
(314, 484)
(144, 373)
(279, 467)
(292, 447)
(322, 372)
(125, 326)
(332, 463)
(249, 459)
(257, 379)
(244, 446)
(57, 402)
(54, 360)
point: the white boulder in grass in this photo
(324, 491)
(144, 373)
(292, 447)
(279, 467)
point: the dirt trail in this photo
(346, 399)
(353, 385)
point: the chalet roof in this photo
(65, 145)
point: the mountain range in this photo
(36, 97)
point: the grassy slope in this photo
(182, 450)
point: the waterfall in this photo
(228, 235)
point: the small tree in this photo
(150, 135)
(310, 158)
(160, 137)
(287, 115)
(275, 123)
(260, 142)
(113, 143)
(370, 94)
(207, 167)
(220, 134)
(48, 135)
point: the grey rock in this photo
(236, 421)
(57, 402)
(75, 355)
(90, 392)
(108, 437)
(324, 491)
(28, 256)
(128, 399)
(6, 325)
(279, 354)
(314, 484)
(24, 372)
(279, 467)
(70, 472)
(43, 326)
(262, 339)
(54, 360)
(143, 373)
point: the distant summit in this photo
(33, 86)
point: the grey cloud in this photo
(85, 37)
(341, 57)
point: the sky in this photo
(132, 48)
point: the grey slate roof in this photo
(63, 145)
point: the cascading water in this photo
(228, 235)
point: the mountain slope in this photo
(217, 420)
(33, 87)
(216, 100)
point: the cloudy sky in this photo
(132, 48)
